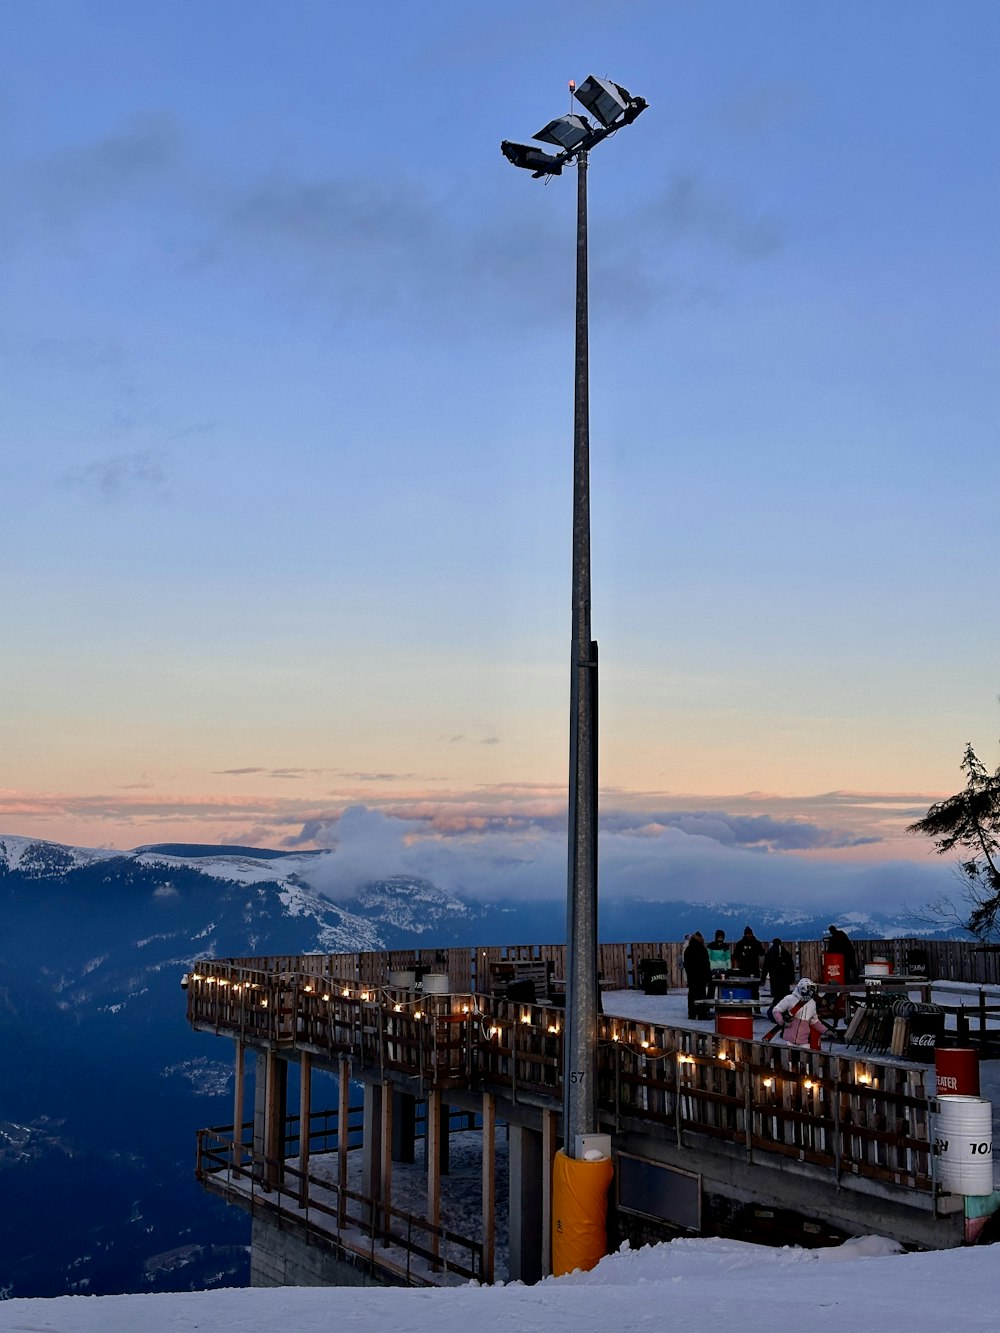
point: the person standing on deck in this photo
(748, 954)
(698, 971)
(839, 943)
(718, 953)
(779, 965)
(796, 1028)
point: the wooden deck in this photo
(851, 1118)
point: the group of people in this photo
(793, 1004)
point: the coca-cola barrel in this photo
(833, 969)
(957, 1071)
(924, 1034)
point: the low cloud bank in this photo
(712, 857)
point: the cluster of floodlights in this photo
(609, 103)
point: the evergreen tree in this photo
(970, 822)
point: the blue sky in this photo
(286, 372)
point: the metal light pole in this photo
(613, 107)
(580, 1037)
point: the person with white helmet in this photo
(798, 1016)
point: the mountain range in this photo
(104, 1084)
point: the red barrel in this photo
(957, 1071)
(734, 1025)
(833, 969)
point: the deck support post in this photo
(550, 1121)
(305, 1113)
(238, 1079)
(489, 1185)
(385, 1138)
(343, 1134)
(371, 1146)
(270, 1106)
(404, 1126)
(525, 1264)
(434, 1164)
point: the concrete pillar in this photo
(525, 1221)
(404, 1126)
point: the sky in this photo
(286, 384)
(705, 1284)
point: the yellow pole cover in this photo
(579, 1212)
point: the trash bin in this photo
(653, 976)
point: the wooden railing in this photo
(854, 1117)
(471, 969)
(385, 1237)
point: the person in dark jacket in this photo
(748, 954)
(698, 970)
(839, 943)
(779, 965)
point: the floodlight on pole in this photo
(612, 106)
(608, 102)
(532, 159)
(566, 132)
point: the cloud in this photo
(509, 842)
(59, 191)
(122, 476)
(689, 208)
(528, 862)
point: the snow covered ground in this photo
(706, 1286)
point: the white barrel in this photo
(963, 1144)
(403, 980)
(436, 983)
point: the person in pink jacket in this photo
(796, 1026)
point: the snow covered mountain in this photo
(104, 1083)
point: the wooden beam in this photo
(489, 1186)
